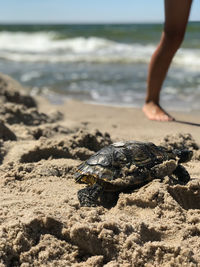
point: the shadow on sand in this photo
(188, 123)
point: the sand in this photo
(41, 221)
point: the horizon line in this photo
(77, 22)
(81, 22)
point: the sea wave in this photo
(47, 47)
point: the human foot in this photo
(155, 112)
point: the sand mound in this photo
(5, 133)
(49, 131)
(74, 146)
(19, 108)
(15, 114)
(182, 141)
(12, 91)
(156, 225)
(42, 224)
(187, 197)
(50, 157)
(146, 228)
(36, 242)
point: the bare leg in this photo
(176, 18)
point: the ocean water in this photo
(104, 64)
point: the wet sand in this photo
(41, 221)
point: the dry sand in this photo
(41, 222)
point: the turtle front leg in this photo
(88, 196)
(182, 174)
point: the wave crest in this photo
(47, 47)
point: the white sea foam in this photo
(188, 57)
(46, 47)
(29, 42)
(29, 76)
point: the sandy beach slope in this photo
(41, 222)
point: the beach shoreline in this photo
(41, 221)
(126, 122)
(101, 63)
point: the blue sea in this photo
(104, 64)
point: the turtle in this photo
(128, 164)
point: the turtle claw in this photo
(182, 174)
(88, 196)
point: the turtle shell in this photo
(107, 164)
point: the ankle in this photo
(152, 102)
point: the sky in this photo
(86, 11)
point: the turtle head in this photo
(184, 155)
